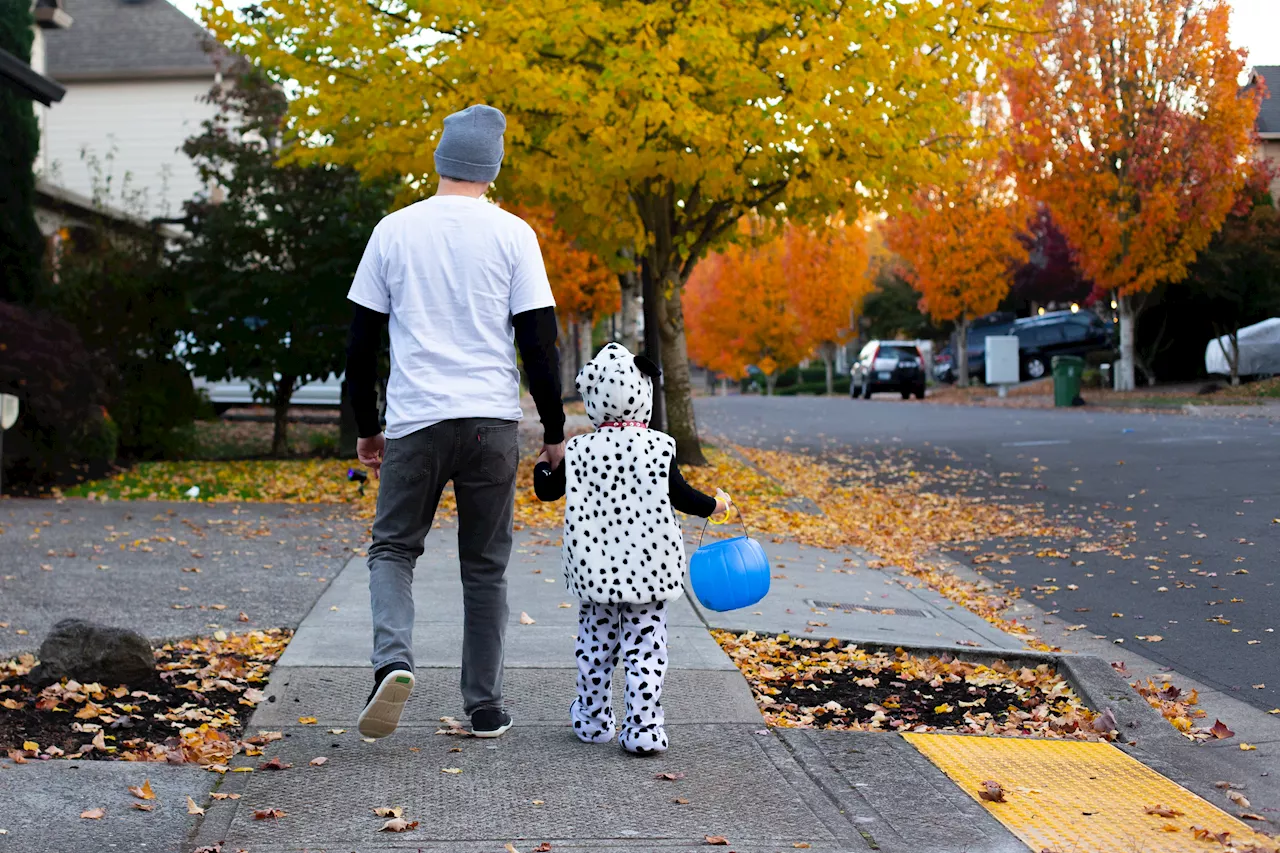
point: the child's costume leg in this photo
(599, 637)
(644, 653)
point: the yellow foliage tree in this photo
(651, 128)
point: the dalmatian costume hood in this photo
(622, 543)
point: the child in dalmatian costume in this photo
(623, 549)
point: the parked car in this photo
(945, 366)
(888, 366)
(1058, 333)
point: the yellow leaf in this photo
(143, 791)
(308, 721)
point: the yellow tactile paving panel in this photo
(1079, 797)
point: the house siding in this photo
(1270, 150)
(143, 123)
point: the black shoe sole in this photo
(498, 732)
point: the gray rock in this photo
(89, 652)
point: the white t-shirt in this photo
(451, 271)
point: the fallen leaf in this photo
(143, 807)
(218, 796)
(274, 764)
(454, 771)
(802, 845)
(526, 619)
(143, 791)
(670, 777)
(1238, 798)
(1251, 816)
(510, 848)
(93, 814)
(1168, 827)
(267, 814)
(1151, 638)
(385, 811)
(1225, 785)
(544, 847)
(398, 824)
(717, 840)
(1247, 747)
(337, 731)
(1105, 722)
(992, 791)
(308, 721)
(192, 808)
(680, 801)
(318, 761)
(1163, 812)
(30, 746)
(1220, 731)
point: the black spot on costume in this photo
(623, 550)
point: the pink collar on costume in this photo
(620, 424)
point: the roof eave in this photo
(50, 18)
(209, 72)
(31, 82)
(1270, 134)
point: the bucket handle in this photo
(741, 518)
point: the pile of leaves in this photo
(833, 685)
(193, 711)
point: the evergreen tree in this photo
(20, 240)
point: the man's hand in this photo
(554, 454)
(369, 451)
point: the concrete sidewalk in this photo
(763, 790)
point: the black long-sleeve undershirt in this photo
(536, 333)
(549, 484)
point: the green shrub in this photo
(841, 386)
(62, 431)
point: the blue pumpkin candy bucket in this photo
(729, 574)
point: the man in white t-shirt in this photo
(461, 283)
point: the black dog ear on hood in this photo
(647, 367)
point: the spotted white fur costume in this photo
(623, 552)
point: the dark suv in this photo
(946, 367)
(1058, 333)
(888, 366)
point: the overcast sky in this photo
(1255, 25)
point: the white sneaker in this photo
(381, 714)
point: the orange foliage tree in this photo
(1133, 130)
(584, 286)
(775, 303)
(960, 247)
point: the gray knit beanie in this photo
(470, 148)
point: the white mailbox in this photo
(1003, 367)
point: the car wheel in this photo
(1035, 368)
(920, 393)
(906, 393)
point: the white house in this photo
(136, 74)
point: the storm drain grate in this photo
(870, 608)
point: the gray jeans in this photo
(480, 456)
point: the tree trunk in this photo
(282, 394)
(681, 423)
(770, 382)
(1125, 368)
(629, 313)
(347, 431)
(828, 352)
(586, 347)
(962, 353)
(1231, 354)
(567, 371)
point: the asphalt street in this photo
(1201, 495)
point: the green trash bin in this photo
(1067, 373)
